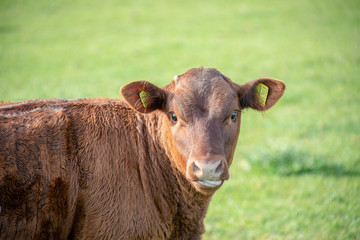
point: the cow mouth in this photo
(210, 183)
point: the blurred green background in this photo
(296, 172)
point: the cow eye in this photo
(173, 117)
(233, 116)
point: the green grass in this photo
(296, 172)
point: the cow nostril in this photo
(220, 168)
(195, 168)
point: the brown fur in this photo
(101, 169)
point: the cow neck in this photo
(183, 193)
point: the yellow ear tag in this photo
(143, 98)
(262, 91)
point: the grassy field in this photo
(296, 172)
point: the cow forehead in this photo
(203, 90)
(198, 77)
(202, 82)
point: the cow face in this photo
(201, 114)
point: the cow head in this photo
(201, 114)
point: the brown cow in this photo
(107, 169)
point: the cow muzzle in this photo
(208, 173)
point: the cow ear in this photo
(143, 96)
(261, 94)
